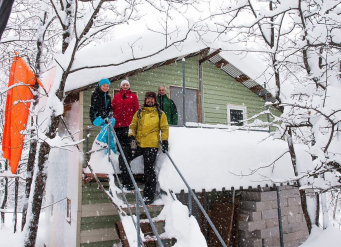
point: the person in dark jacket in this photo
(101, 111)
(168, 106)
(124, 106)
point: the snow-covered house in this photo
(216, 161)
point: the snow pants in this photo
(149, 157)
(122, 136)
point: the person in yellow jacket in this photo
(144, 131)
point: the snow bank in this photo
(216, 158)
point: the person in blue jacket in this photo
(101, 112)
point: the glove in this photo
(98, 121)
(164, 146)
(133, 144)
(106, 121)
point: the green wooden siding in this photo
(141, 83)
(219, 90)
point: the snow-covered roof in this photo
(143, 51)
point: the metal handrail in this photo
(137, 191)
(191, 194)
(140, 199)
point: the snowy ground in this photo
(330, 237)
(10, 239)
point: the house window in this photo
(68, 210)
(236, 114)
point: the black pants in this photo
(122, 135)
(149, 157)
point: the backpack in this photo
(159, 111)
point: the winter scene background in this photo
(292, 46)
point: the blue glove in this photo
(98, 121)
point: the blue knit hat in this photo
(104, 81)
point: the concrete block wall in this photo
(259, 226)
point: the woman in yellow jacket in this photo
(145, 131)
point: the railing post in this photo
(87, 143)
(197, 202)
(183, 92)
(138, 219)
(267, 107)
(190, 203)
(279, 217)
(109, 141)
(136, 188)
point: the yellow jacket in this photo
(146, 130)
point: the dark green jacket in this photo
(169, 107)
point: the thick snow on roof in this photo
(149, 48)
(216, 158)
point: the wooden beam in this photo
(170, 61)
(122, 234)
(221, 63)
(130, 73)
(88, 177)
(242, 78)
(204, 53)
(209, 56)
(156, 65)
(256, 88)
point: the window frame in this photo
(242, 108)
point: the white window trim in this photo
(236, 107)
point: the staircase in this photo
(149, 237)
(101, 224)
(98, 217)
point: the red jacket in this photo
(124, 106)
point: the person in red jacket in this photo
(124, 106)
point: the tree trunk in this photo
(29, 176)
(317, 209)
(38, 192)
(4, 201)
(15, 216)
(40, 183)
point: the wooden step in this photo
(148, 230)
(91, 194)
(99, 235)
(99, 209)
(109, 243)
(89, 177)
(149, 240)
